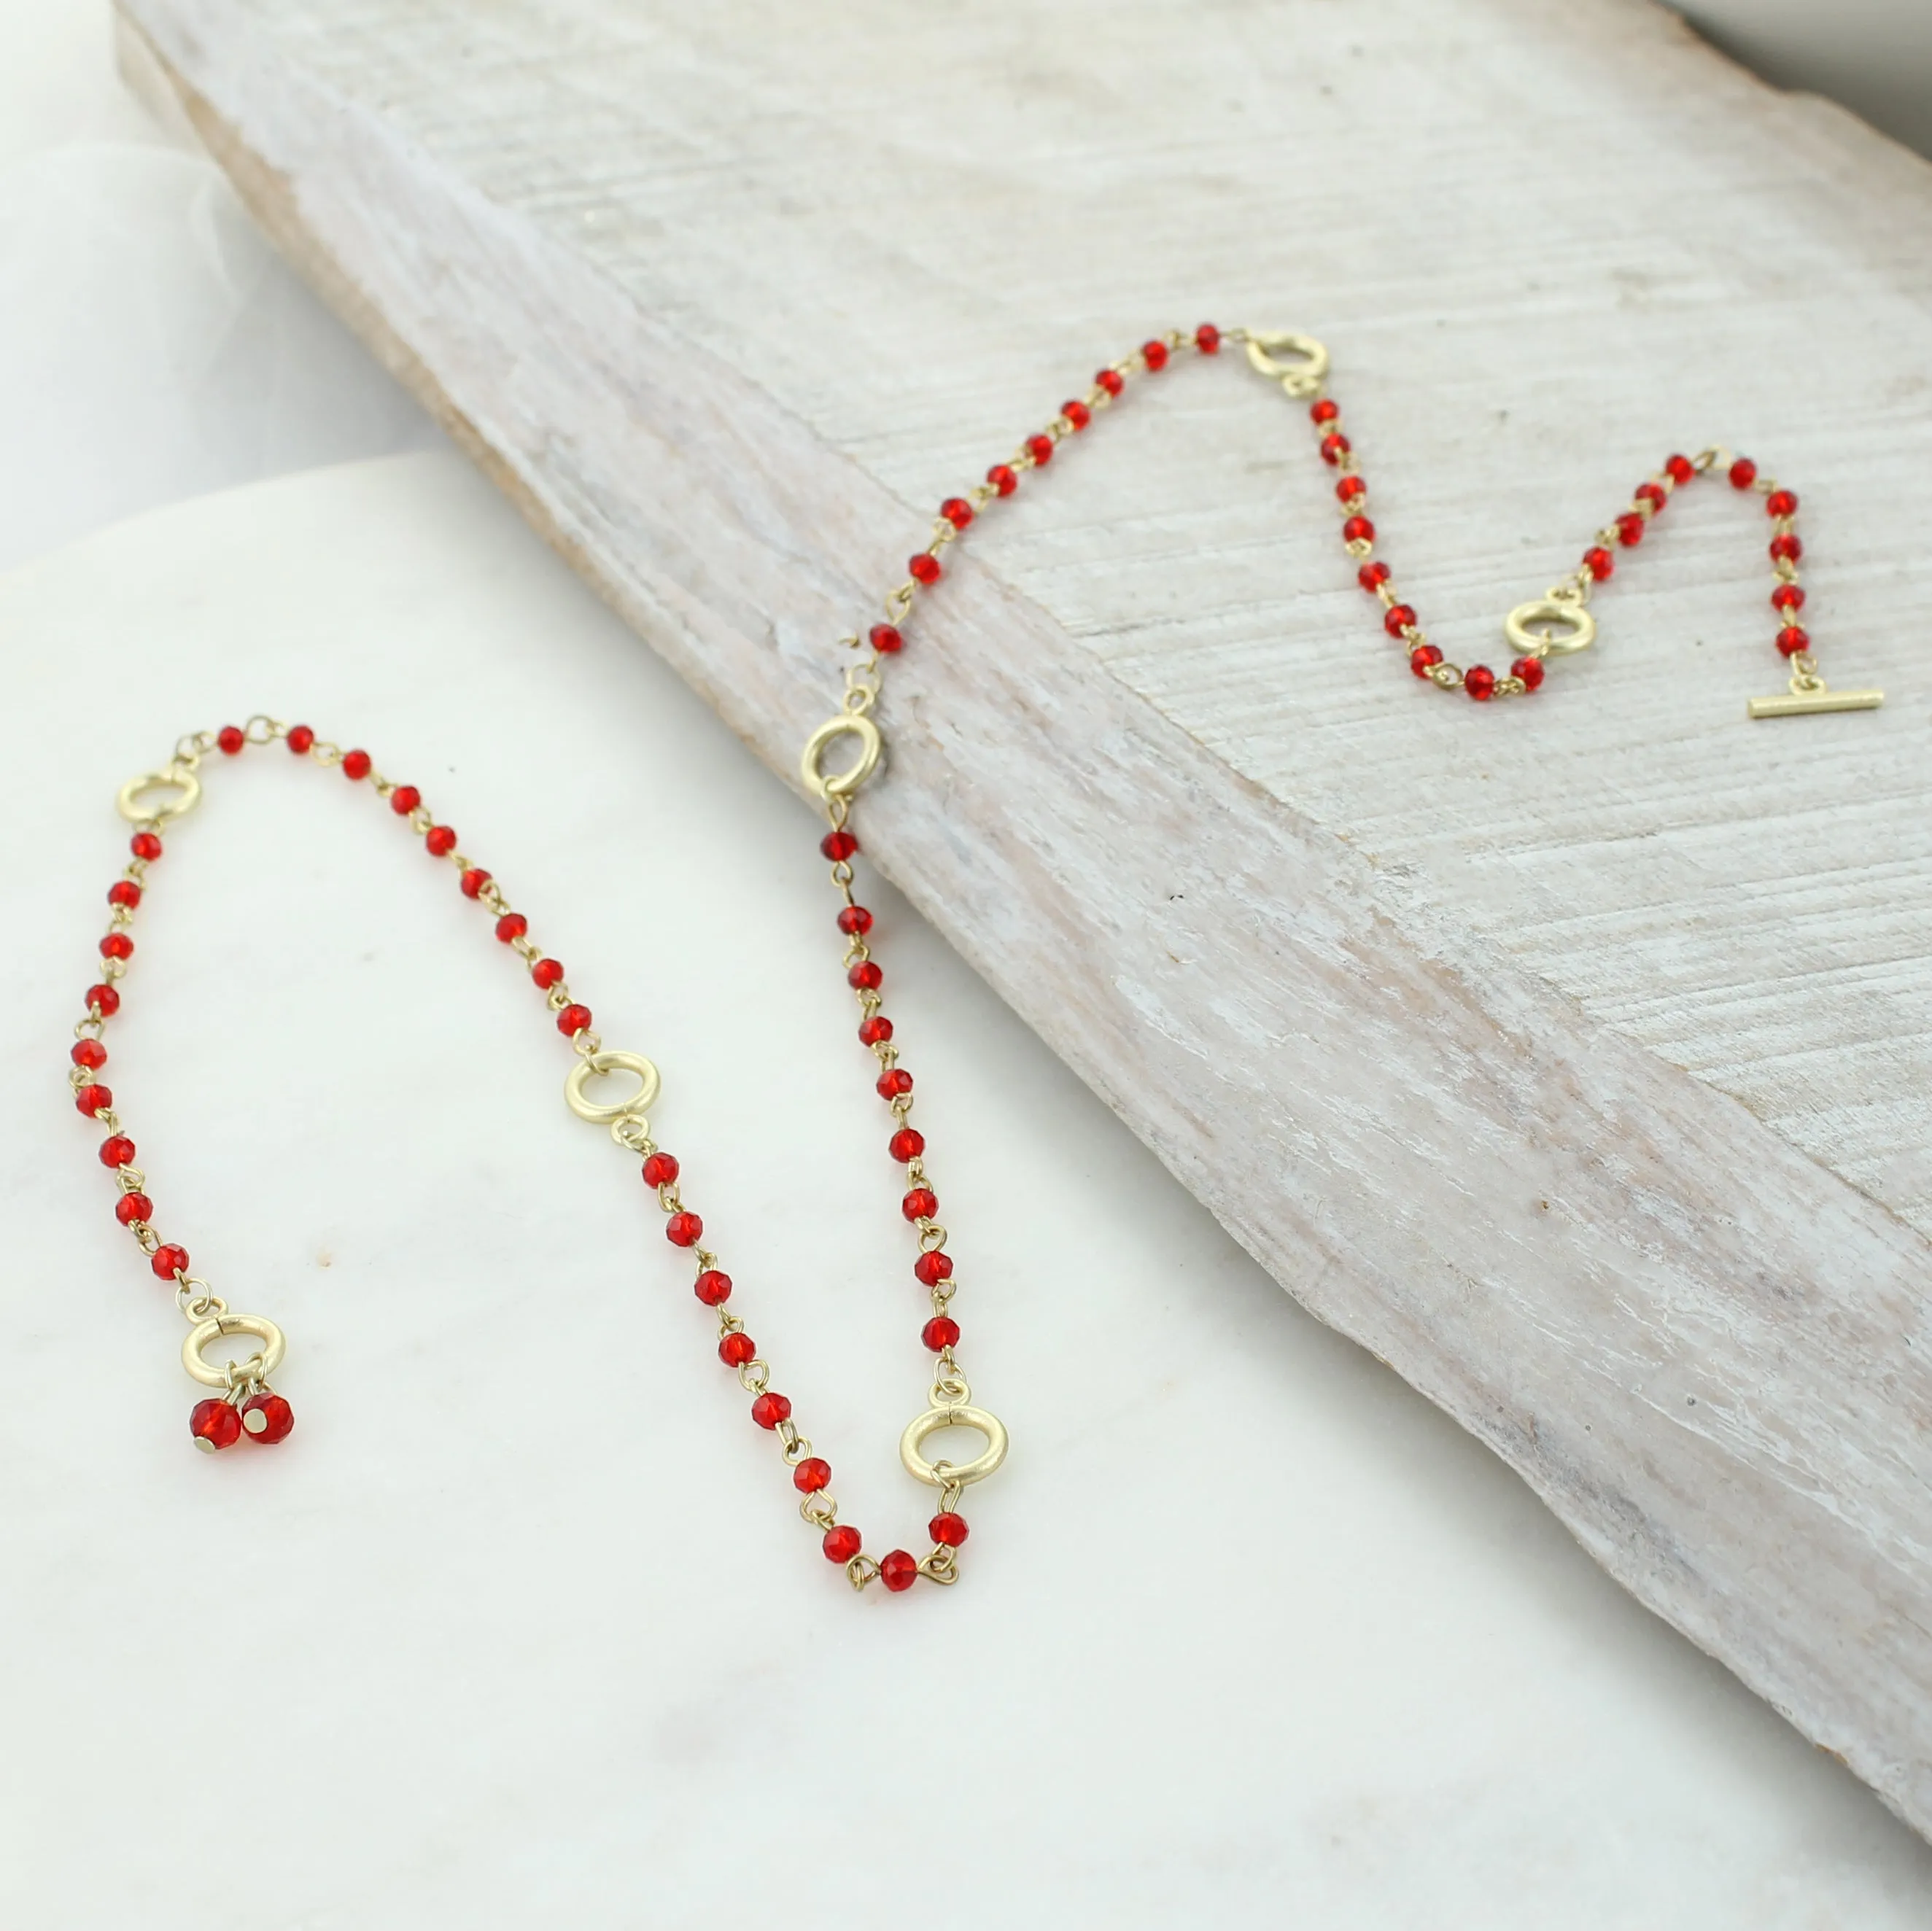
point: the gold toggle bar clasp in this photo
(1810, 695)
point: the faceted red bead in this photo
(214, 1424)
(512, 925)
(117, 946)
(1679, 469)
(840, 1544)
(838, 846)
(1372, 575)
(124, 891)
(1154, 354)
(1077, 413)
(1788, 596)
(1630, 529)
(948, 1529)
(1652, 494)
(1358, 529)
(769, 1409)
(660, 1170)
(301, 739)
(874, 1031)
(356, 764)
(267, 1418)
(899, 1571)
(1791, 640)
(684, 1229)
(812, 1474)
(1324, 411)
(1743, 473)
(940, 1333)
(1599, 563)
(145, 844)
(404, 800)
(93, 1099)
(168, 1260)
(894, 1082)
(1781, 503)
(957, 510)
(1786, 548)
(1040, 448)
(921, 1203)
(117, 1152)
(907, 1144)
(1480, 681)
(854, 920)
(1424, 658)
(103, 999)
(737, 1349)
(929, 1270)
(89, 1053)
(231, 738)
(865, 976)
(1111, 380)
(1398, 618)
(885, 639)
(473, 881)
(925, 568)
(439, 841)
(1530, 669)
(1003, 479)
(1334, 446)
(548, 972)
(1351, 489)
(712, 1287)
(132, 1207)
(1207, 339)
(572, 1020)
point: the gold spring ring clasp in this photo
(953, 1474)
(635, 1106)
(1579, 631)
(841, 784)
(1303, 376)
(259, 1366)
(177, 778)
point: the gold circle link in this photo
(1300, 377)
(177, 778)
(595, 1063)
(841, 784)
(959, 1473)
(1578, 632)
(274, 1346)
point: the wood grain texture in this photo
(1571, 1055)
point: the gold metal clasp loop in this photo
(1577, 631)
(955, 1474)
(841, 784)
(258, 1367)
(1303, 376)
(594, 1066)
(177, 778)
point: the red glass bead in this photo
(1743, 473)
(117, 946)
(769, 1409)
(1480, 681)
(957, 510)
(840, 1544)
(168, 1260)
(1004, 478)
(102, 1000)
(1324, 411)
(1077, 414)
(572, 1020)
(93, 1099)
(929, 1270)
(473, 881)
(712, 1287)
(1351, 489)
(124, 891)
(1372, 575)
(885, 639)
(1786, 548)
(267, 1418)
(439, 841)
(865, 976)
(660, 1170)
(214, 1424)
(404, 800)
(1358, 529)
(1679, 469)
(1781, 503)
(89, 1053)
(1424, 658)
(925, 568)
(737, 1349)
(356, 764)
(940, 1333)
(548, 972)
(838, 846)
(512, 925)
(301, 739)
(1599, 563)
(1788, 596)
(1111, 380)
(948, 1529)
(812, 1474)
(230, 739)
(1398, 618)
(132, 1208)
(874, 1031)
(921, 1203)
(1630, 529)
(1154, 354)
(684, 1229)
(1040, 448)
(145, 844)
(907, 1144)
(1207, 339)
(117, 1152)
(1652, 494)
(894, 1082)
(898, 1571)
(1334, 446)
(854, 920)
(1791, 640)
(1530, 669)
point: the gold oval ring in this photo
(1579, 634)
(274, 1346)
(841, 784)
(176, 777)
(1301, 377)
(982, 1465)
(633, 1108)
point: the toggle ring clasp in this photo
(961, 1473)
(258, 1368)
(1579, 631)
(176, 777)
(1303, 376)
(633, 1108)
(841, 784)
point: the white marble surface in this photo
(520, 1627)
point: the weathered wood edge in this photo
(1658, 1246)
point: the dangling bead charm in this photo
(267, 1418)
(214, 1424)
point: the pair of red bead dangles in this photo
(220, 1423)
